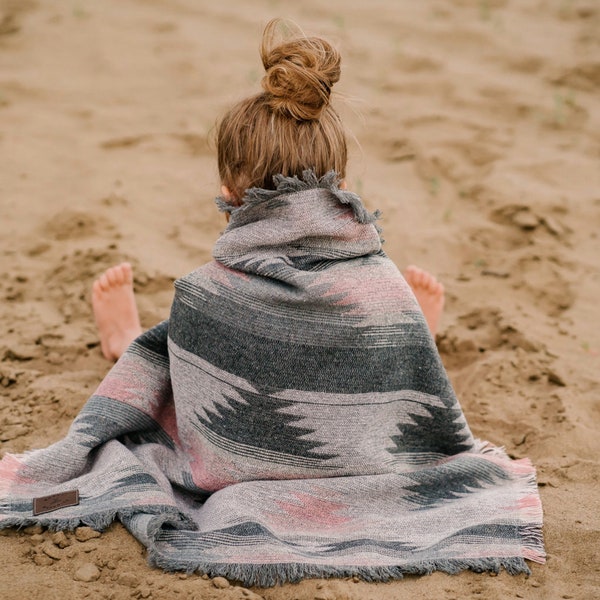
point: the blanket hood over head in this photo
(292, 418)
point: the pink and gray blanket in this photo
(291, 419)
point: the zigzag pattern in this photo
(291, 419)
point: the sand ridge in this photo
(479, 139)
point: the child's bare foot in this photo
(115, 310)
(429, 293)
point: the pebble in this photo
(60, 539)
(37, 249)
(87, 572)
(41, 560)
(525, 220)
(36, 538)
(250, 594)
(6, 382)
(52, 551)
(553, 226)
(220, 582)
(54, 358)
(33, 529)
(556, 379)
(128, 579)
(83, 534)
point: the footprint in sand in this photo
(541, 279)
(523, 221)
(464, 151)
(583, 76)
(74, 224)
(68, 284)
(478, 332)
(10, 16)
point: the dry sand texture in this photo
(479, 132)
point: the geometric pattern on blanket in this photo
(291, 419)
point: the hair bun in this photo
(300, 72)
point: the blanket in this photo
(292, 418)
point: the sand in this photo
(475, 129)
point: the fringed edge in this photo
(268, 575)
(97, 521)
(529, 508)
(532, 541)
(289, 185)
(224, 206)
(485, 447)
(101, 520)
(532, 517)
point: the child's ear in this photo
(343, 185)
(226, 193)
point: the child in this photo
(289, 128)
(292, 418)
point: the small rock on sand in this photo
(525, 220)
(128, 579)
(250, 595)
(33, 529)
(87, 572)
(220, 582)
(83, 534)
(60, 539)
(52, 551)
(41, 560)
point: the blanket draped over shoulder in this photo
(291, 419)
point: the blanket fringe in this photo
(485, 447)
(269, 575)
(288, 185)
(100, 521)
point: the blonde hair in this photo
(290, 126)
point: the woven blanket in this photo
(292, 418)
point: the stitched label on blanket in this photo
(46, 504)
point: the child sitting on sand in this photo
(292, 418)
(289, 128)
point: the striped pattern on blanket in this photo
(291, 419)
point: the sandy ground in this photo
(477, 133)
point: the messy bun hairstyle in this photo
(290, 126)
(299, 74)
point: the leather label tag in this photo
(46, 504)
